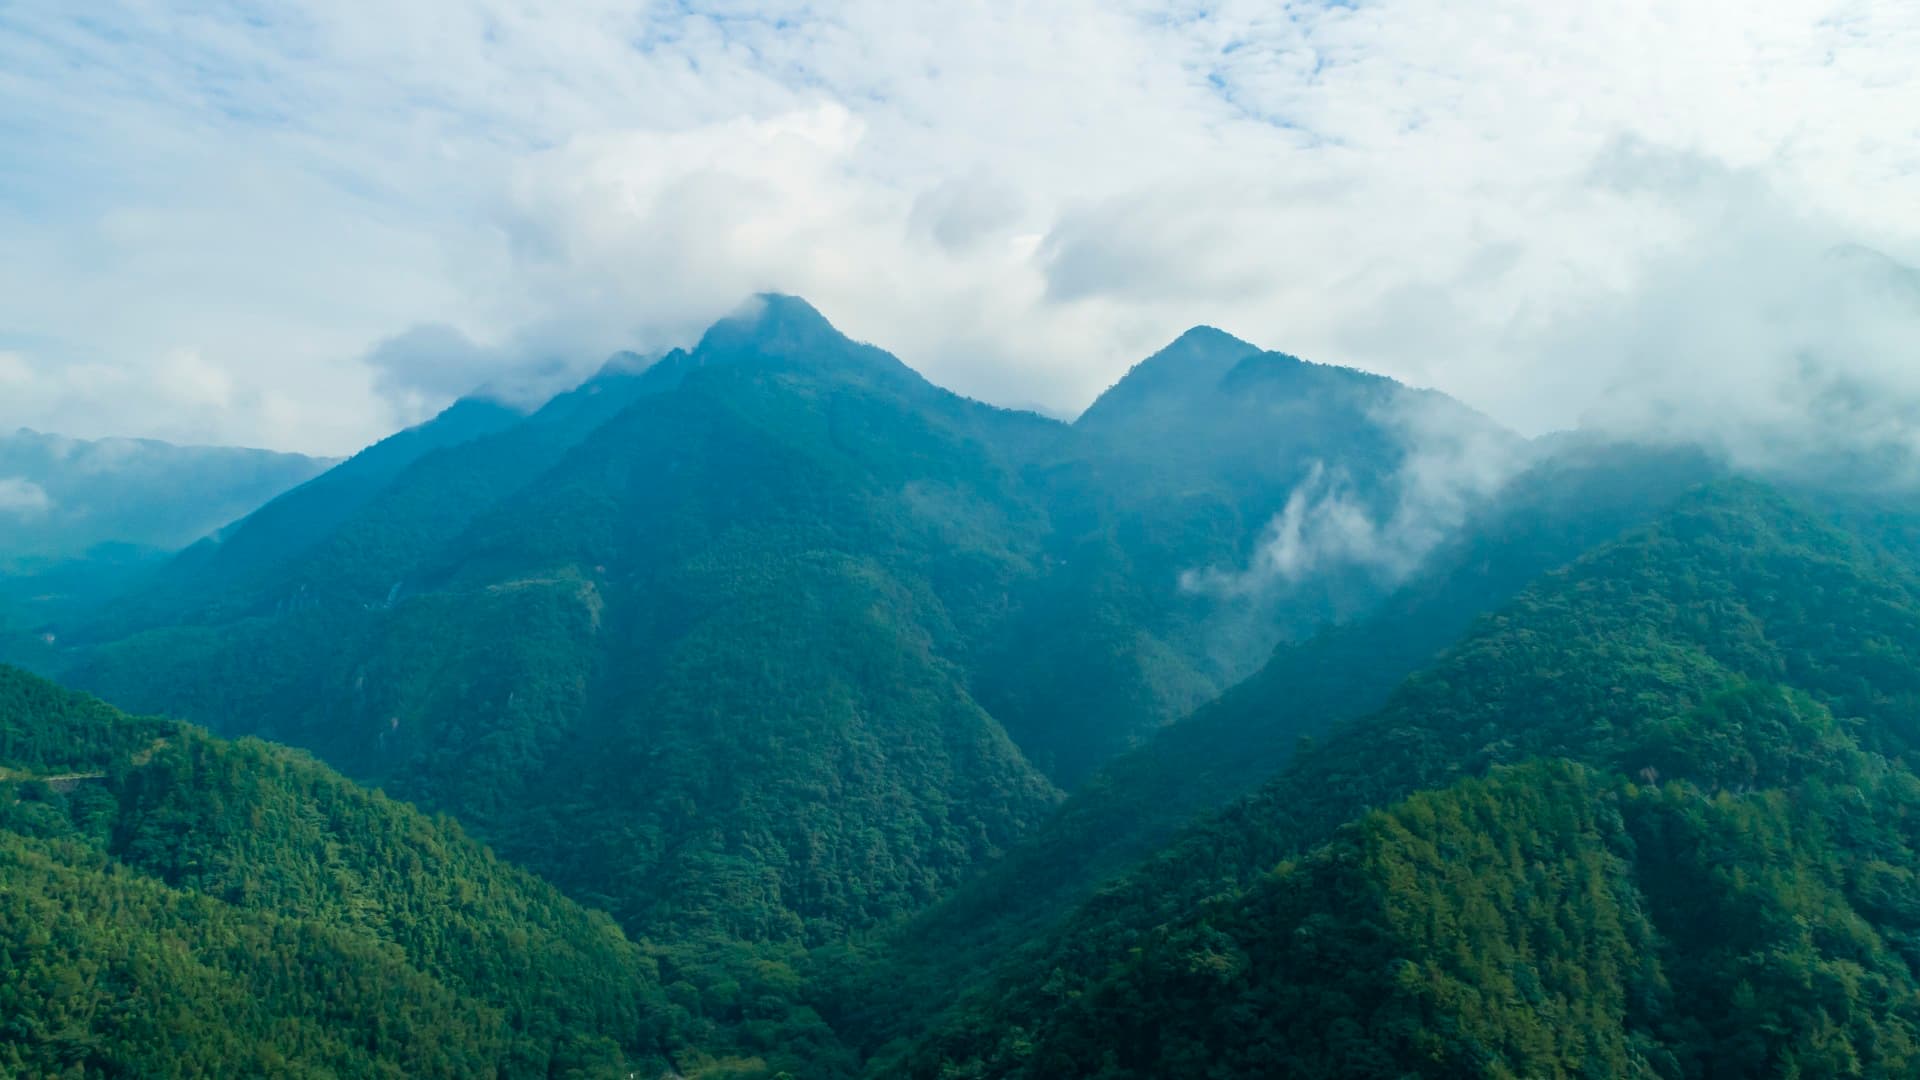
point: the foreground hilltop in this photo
(173, 904)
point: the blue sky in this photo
(302, 226)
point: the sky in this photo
(302, 226)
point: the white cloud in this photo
(186, 377)
(1321, 524)
(1021, 200)
(1454, 462)
(22, 498)
(15, 372)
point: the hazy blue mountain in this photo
(61, 497)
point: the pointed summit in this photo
(1211, 405)
(774, 330)
(625, 362)
(769, 322)
(1204, 338)
(1190, 366)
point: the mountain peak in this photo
(788, 333)
(781, 305)
(1192, 364)
(1204, 339)
(625, 362)
(768, 318)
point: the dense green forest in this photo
(766, 710)
(1543, 921)
(1547, 517)
(772, 641)
(1738, 682)
(176, 904)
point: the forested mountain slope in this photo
(356, 534)
(745, 642)
(772, 644)
(1740, 682)
(291, 523)
(175, 905)
(1180, 468)
(1577, 498)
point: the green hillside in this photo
(177, 905)
(1557, 511)
(773, 641)
(1543, 921)
(1738, 663)
(848, 698)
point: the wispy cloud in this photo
(22, 498)
(1021, 199)
(1453, 463)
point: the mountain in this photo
(1270, 719)
(771, 644)
(1111, 556)
(61, 497)
(172, 904)
(84, 521)
(225, 571)
(1212, 409)
(691, 670)
(1580, 496)
(1646, 819)
(1189, 464)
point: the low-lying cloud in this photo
(1453, 463)
(1785, 353)
(1760, 330)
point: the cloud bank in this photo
(310, 224)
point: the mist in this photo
(1453, 463)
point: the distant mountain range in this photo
(82, 520)
(1270, 719)
(60, 497)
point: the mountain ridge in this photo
(74, 494)
(1676, 648)
(764, 647)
